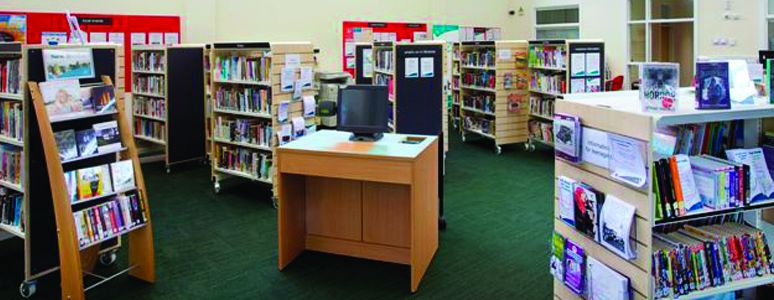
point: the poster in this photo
(98, 37)
(171, 38)
(138, 38)
(116, 38)
(427, 67)
(368, 63)
(14, 27)
(411, 67)
(578, 64)
(155, 38)
(68, 63)
(53, 38)
(349, 49)
(592, 64)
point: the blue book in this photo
(712, 86)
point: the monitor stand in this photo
(366, 137)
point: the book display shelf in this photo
(708, 233)
(549, 61)
(493, 91)
(384, 74)
(12, 86)
(455, 110)
(167, 84)
(77, 220)
(207, 100)
(364, 63)
(252, 105)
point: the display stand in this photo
(493, 85)
(12, 132)
(258, 157)
(168, 81)
(208, 101)
(455, 108)
(620, 113)
(364, 63)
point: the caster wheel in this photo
(169, 170)
(275, 202)
(216, 187)
(28, 288)
(107, 259)
(498, 150)
(526, 146)
(442, 223)
(463, 138)
(532, 148)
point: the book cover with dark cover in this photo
(659, 85)
(87, 142)
(574, 267)
(712, 85)
(65, 141)
(587, 204)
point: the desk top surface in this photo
(391, 145)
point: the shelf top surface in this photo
(337, 142)
(628, 101)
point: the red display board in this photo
(401, 31)
(37, 23)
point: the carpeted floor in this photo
(498, 209)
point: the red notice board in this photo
(402, 31)
(38, 23)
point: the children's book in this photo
(90, 182)
(87, 142)
(574, 267)
(71, 179)
(659, 84)
(65, 141)
(712, 85)
(123, 175)
(63, 99)
(566, 199)
(107, 136)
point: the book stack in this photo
(151, 107)
(12, 210)
(478, 78)
(252, 100)
(548, 83)
(479, 124)
(10, 76)
(12, 120)
(257, 165)
(152, 84)
(384, 60)
(149, 61)
(93, 182)
(547, 56)
(11, 160)
(482, 102)
(541, 131)
(481, 58)
(150, 129)
(248, 131)
(541, 106)
(696, 258)
(242, 68)
(109, 219)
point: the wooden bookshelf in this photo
(604, 112)
(384, 74)
(208, 100)
(454, 110)
(276, 57)
(169, 117)
(505, 121)
(12, 137)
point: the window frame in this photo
(536, 27)
(764, 24)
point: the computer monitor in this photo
(362, 110)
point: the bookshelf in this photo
(384, 74)
(207, 101)
(493, 91)
(168, 83)
(12, 87)
(603, 112)
(254, 151)
(549, 61)
(455, 109)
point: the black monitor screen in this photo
(362, 109)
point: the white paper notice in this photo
(138, 38)
(595, 147)
(760, 178)
(309, 106)
(306, 77)
(392, 37)
(155, 38)
(578, 65)
(171, 38)
(98, 37)
(282, 111)
(412, 67)
(368, 63)
(566, 198)
(292, 60)
(626, 162)
(284, 134)
(350, 62)
(427, 67)
(116, 38)
(578, 85)
(55, 38)
(349, 49)
(287, 77)
(592, 64)
(504, 54)
(299, 127)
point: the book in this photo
(762, 185)
(566, 199)
(65, 141)
(658, 86)
(123, 175)
(87, 142)
(102, 98)
(567, 137)
(574, 267)
(107, 136)
(94, 182)
(587, 205)
(769, 80)
(712, 86)
(557, 257)
(615, 225)
(63, 99)
(605, 283)
(683, 181)
(71, 180)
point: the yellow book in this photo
(90, 182)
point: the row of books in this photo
(91, 182)
(12, 210)
(386, 80)
(149, 84)
(696, 258)
(248, 131)
(109, 219)
(101, 138)
(484, 79)
(482, 125)
(10, 76)
(12, 120)
(541, 131)
(479, 58)
(482, 102)
(547, 56)
(383, 60)
(541, 106)
(547, 83)
(253, 100)
(153, 107)
(583, 274)
(253, 163)
(149, 61)
(149, 128)
(455, 81)
(518, 80)
(11, 160)
(705, 138)
(242, 68)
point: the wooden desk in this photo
(370, 200)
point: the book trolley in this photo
(12, 87)
(493, 91)
(58, 242)
(604, 112)
(167, 82)
(247, 93)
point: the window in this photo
(662, 31)
(557, 23)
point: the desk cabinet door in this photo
(387, 214)
(333, 208)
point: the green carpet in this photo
(496, 246)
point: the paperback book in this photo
(94, 182)
(107, 136)
(712, 86)
(87, 142)
(63, 99)
(658, 86)
(567, 137)
(123, 175)
(65, 141)
(101, 97)
(587, 205)
(574, 267)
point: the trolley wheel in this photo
(463, 137)
(498, 149)
(532, 147)
(526, 146)
(107, 259)
(169, 170)
(274, 202)
(216, 187)
(28, 288)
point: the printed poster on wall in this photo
(171, 38)
(592, 64)
(578, 65)
(14, 27)
(427, 67)
(116, 37)
(155, 38)
(53, 38)
(62, 64)
(98, 37)
(138, 38)
(411, 67)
